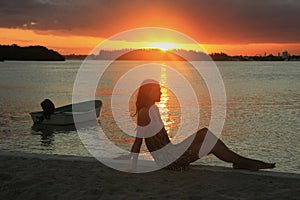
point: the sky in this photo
(236, 27)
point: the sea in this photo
(262, 109)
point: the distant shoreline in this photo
(72, 59)
(31, 53)
(41, 53)
(176, 55)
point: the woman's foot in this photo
(254, 167)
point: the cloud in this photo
(208, 21)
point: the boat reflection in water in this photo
(47, 132)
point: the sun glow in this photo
(164, 46)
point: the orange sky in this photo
(69, 44)
(236, 27)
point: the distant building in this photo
(285, 55)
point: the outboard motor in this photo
(48, 108)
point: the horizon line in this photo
(155, 48)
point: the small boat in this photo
(63, 116)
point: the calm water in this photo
(263, 109)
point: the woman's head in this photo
(148, 93)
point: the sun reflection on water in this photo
(163, 105)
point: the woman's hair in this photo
(143, 99)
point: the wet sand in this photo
(34, 176)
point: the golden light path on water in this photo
(163, 105)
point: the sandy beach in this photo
(34, 176)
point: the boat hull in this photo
(63, 116)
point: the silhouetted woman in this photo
(167, 155)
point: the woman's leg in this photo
(221, 151)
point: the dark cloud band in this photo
(214, 21)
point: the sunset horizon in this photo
(259, 49)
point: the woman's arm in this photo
(143, 119)
(135, 150)
(137, 145)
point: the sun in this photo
(164, 46)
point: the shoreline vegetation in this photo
(41, 53)
(177, 55)
(30, 53)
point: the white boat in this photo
(63, 116)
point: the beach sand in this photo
(34, 176)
